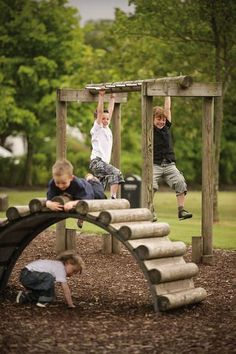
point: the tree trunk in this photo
(28, 164)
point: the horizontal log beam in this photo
(141, 230)
(154, 248)
(173, 89)
(83, 95)
(38, 204)
(16, 212)
(114, 216)
(172, 272)
(181, 298)
(86, 206)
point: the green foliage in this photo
(42, 48)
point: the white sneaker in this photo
(42, 304)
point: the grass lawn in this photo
(224, 232)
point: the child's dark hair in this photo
(73, 258)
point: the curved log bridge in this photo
(169, 277)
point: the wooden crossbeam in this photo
(173, 89)
(84, 95)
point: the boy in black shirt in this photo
(164, 157)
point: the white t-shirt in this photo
(101, 142)
(56, 268)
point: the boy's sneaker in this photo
(80, 223)
(184, 214)
(154, 219)
(21, 298)
(42, 304)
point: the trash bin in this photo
(131, 190)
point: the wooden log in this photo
(38, 204)
(166, 273)
(154, 248)
(155, 263)
(70, 243)
(181, 298)
(143, 230)
(134, 214)
(106, 244)
(16, 212)
(197, 249)
(85, 206)
(3, 202)
(62, 199)
(173, 286)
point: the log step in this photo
(37, 204)
(134, 230)
(85, 206)
(16, 212)
(150, 248)
(181, 298)
(167, 273)
(115, 216)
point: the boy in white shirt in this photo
(102, 146)
(39, 277)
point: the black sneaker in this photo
(184, 214)
(154, 219)
(80, 223)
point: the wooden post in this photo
(3, 202)
(70, 239)
(61, 111)
(207, 179)
(116, 130)
(147, 150)
(196, 249)
(107, 244)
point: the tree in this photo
(204, 33)
(35, 57)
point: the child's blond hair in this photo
(159, 112)
(73, 258)
(62, 167)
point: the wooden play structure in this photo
(169, 277)
(181, 86)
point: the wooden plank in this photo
(160, 88)
(207, 176)
(83, 95)
(147, 150)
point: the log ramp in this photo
(169, 277)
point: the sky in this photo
(99, 9)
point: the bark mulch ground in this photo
(114, 311)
